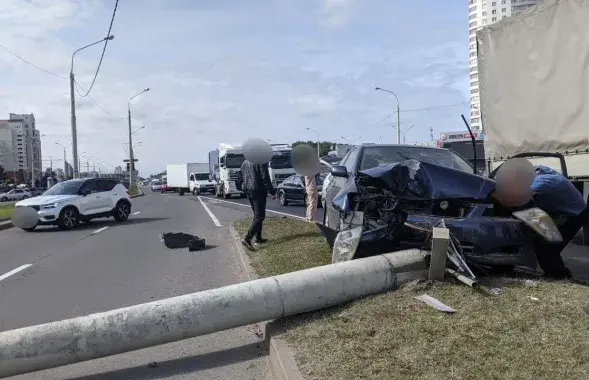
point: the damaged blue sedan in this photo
(388, 197)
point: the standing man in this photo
(312, 196)
(254, 181)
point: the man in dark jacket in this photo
(254, 181)
(556, 195)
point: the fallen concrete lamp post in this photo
(113, 332)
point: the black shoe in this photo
(248, 244)
(261, 241)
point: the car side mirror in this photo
(339, 171)
(85, 192)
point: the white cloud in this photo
(223, 71)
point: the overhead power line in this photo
(114, 12)
(31, 64)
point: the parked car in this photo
(14, 195)
(80, 200)
(292, 189)
(390, 196)
(35, 191)
(156, 185)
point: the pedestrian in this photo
(254, 181)
(312, 196)
(556, 195)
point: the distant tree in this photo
(1, 172)
(324, 146)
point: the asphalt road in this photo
(273, 207)
(106, 265)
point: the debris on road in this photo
(436, 304)
(174, 240)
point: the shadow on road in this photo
(185, 365)
(96, 224)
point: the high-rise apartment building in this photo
(20, 145)
(481, 13)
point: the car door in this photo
(286, 187)
(12, 195)
(350, 162)
(298, 189)
(89, 204)
(107, 198)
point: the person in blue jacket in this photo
(556, 195)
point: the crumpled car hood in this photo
(413, 179)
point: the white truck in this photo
(280, 166)
(533, 79)
(230, 159)
(188, 177)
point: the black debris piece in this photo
(175, 240)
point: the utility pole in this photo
(76, 162)
(398, 113)
(131, 158)
(318, 145)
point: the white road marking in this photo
(212, 200)
(14, 271)
(99, 230)
(136, 212)
(213, 217)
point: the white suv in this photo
(79, 200)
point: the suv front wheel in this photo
(68, 218)
(122, 211)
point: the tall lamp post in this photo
(76, 173)
(398, 113)
(131, 159)
(64, 157)
(317, 133)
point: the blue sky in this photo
(226, 70)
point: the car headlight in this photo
(345, 245)
(539, 220)
(50, 205)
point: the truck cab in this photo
(230, 160)
(280, 166)
(202, 182)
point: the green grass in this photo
(292, 245)
(6, 210)
(393, 336)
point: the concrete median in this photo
(98, 335)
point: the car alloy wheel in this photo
(122, 212)
(282, 198)
(69, 218)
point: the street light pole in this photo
(64, 158)
(131, 159)
(76, 173)
(317, 133)
(398, 113)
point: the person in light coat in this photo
(312, 196)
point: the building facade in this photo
(20, 146)
(481, 13)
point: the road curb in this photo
(281, 355)
(141, 194)
(5, 225)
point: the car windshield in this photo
(280, 160)
(202, 176)
(156, 183)
(65, 188)
(234, 160)
(383, 155)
